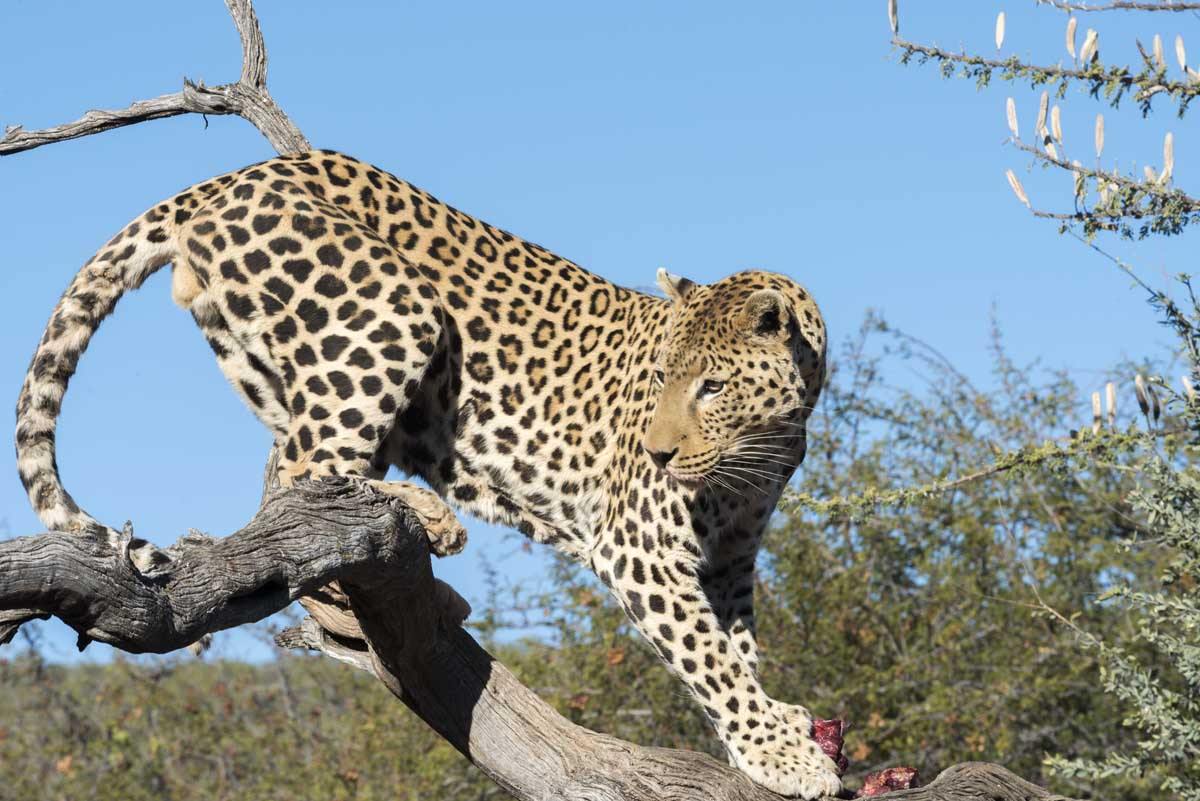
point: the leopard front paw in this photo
(446, 534)
(789, 755)
(800, 770)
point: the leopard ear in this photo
(766, 315)
(676, 287)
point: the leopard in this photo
(647, 435)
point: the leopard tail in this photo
(140, 249)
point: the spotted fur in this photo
(367, 325)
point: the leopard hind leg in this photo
(346, 390)
(246, 364)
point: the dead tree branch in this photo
(1122, 5)
(247, 98)
(145, 600)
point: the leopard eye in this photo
(711, 387)
(659, 378)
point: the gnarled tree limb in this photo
(398, 622)
(247, 98)
(143, 600)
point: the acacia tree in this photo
(1155, 679)
(140, 598)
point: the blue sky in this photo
(705, 137)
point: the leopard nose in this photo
(661, 458)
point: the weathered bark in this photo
(395, 620)
(145, 600)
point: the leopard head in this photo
(735, 380)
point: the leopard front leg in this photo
(728, 582)
(662, 594)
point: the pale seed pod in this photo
(1188, 389)
(1181, 53)
(1000, 30)
(1104, 194)
(1150, 174)
(1050, 148)
(1095, 412)
(1017, 189)
(1010, 108)
(1168, 157)
(1043, 105)
(893, 17)
(1090, 45)
(1099, 135)
(1110, 404)
(1056, 123)
(1072, 24)
(1159, 61)
(1139, 388)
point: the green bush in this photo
(1142, 632)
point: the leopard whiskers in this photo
(764, 447)
(721, 483)
(752, 471)
(752, 458)
(782, 451)
(722, 472)
(763, 455)
(773, 453)
(768, 435)
(786, 445)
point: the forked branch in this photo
(247, 98)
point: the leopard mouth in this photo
(694, 470)
(689, 480)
